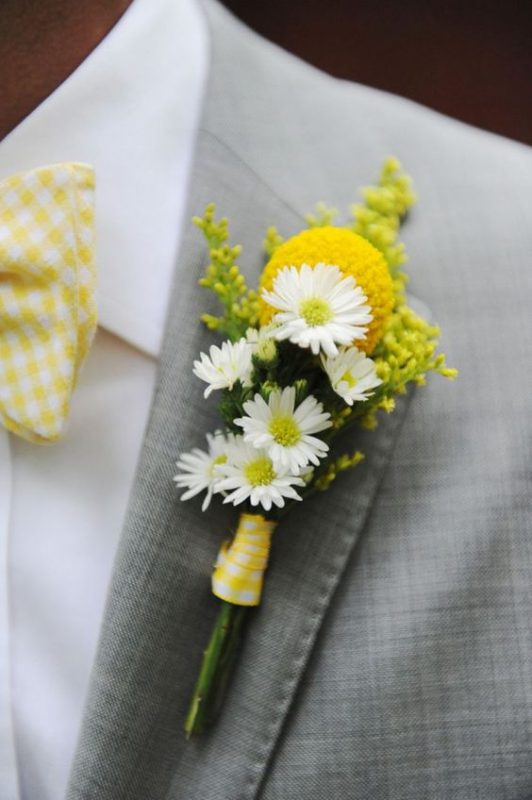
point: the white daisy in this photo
(225, 365)
(319, 307)
(284, 431)
(250, 474)
(199, 468)
(352, 375)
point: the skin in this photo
(41, 44)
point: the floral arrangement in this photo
(326, 343)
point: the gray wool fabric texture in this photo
(391, 657)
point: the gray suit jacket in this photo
(392, 655)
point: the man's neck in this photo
(41, 43)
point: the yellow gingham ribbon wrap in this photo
(47, 305)
(239, 572)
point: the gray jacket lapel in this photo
(160, 609)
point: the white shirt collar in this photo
(131, 109)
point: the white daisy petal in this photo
(318, 308)
(352, 375)
(198, 469)
(225, 365)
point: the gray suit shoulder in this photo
(287, 118)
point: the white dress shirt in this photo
(131, 110)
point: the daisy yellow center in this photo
(221, 459)
(285, 431)
(348, 378)
(315, 311)
(259, 472)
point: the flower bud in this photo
(266, 351)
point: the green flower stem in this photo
(218, 660)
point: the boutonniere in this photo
(325, 343)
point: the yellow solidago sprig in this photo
(379, 218)
(223, 277)
(406, 353)
(334, 468)
(327, 342)
(322, 217)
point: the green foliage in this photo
(232, 405)
(224, 279)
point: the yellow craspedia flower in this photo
(353, 255)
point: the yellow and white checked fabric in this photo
(239, 572)
(47, 304)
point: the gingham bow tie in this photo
(47, 305)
